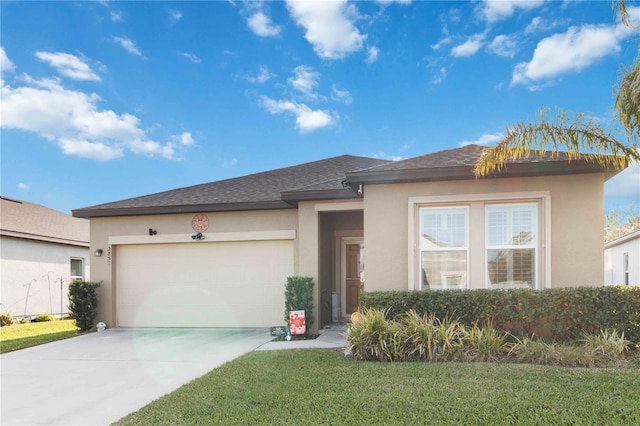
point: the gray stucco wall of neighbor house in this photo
(576, 227)
(35, 276)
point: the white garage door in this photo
(217, 284)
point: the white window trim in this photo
(528, 196)
(82, 262)
(466, 236)
(536, 246)
(625, 268)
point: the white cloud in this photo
(469, 47)
(175, 15)
(305, 81)
(116, 15)
(328, 26)
(307, 120)
(384, 156)
(341, 95)
(372, 54)
(499, 10)
(503, 45)
(441, 43)
(128, 45)
(92, 150)
(75, 122)
(186, 139)
(440, 76)
(68, 65)
(484, 140)
(577, 48)
(386, 2)
(5, 62)
(263, 76)
(23, 186)
(229, 163)
(262, 26)
(190, 56)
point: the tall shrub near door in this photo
(83, 303)
(298, 296)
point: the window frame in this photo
(535, 245)
(465, 248)
(543, 198)
(73, 278)
(625, 268)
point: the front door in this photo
(353, 284)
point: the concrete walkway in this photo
(330, 338)
(99, 378)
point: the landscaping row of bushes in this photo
(415, 337)
(561, 315)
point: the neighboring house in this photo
(41, 252)
(622, 260)
(218, 254)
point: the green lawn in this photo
(324, 387)
(20, 336)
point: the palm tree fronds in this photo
(627, 103)
(576, 137)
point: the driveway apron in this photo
(98, 378)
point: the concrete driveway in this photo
(99, 378)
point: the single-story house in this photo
(622, 260)
(41, 252)
(218, 254)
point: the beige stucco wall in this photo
(173, 228)
(577, 217)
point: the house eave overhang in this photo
(293, 197)
(192, 208)
(529, 169)
(42, 238)
(625, 238)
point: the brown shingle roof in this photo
(35, 222)
(332, 178)
(260, 190)
(458, 163)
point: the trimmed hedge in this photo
(563, 314)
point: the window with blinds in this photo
(512, 241)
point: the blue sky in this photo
(103, 101)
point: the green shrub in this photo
(83, 303)
(374, 338)
(298, 296)
(5, 319)
(564, 314)
(428, 338)
(536, 351)
(607, 344)
(43, 318)
(485, 344)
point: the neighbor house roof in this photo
(329, 179)
(625, 238)
(30, 221)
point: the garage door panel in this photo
(231, 284)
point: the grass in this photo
(21, 336)
(324, 387)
